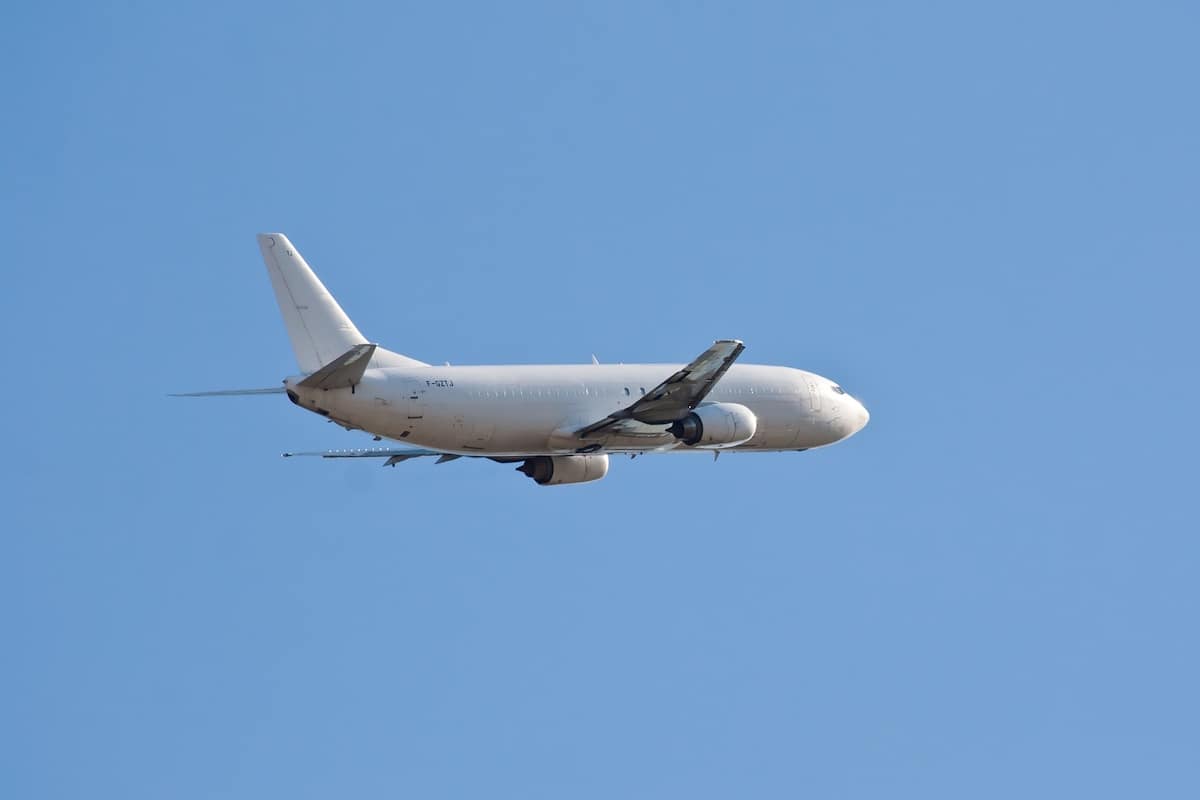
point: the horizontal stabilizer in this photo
(230, 392)
(345, 370)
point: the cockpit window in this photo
(838, 389)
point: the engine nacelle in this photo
(716, 425)
(553, 470)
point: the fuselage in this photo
(537, 409)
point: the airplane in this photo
(558, 423)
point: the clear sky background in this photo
(979, 218)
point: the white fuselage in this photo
(536, 410)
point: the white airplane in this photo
(560, 423)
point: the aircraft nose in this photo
(858, 418)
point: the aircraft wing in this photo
(394, 455)
(674, 398)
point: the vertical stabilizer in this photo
(320, 331)
(318, 327)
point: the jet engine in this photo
(716, 425)
(553, 470)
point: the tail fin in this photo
(318, 327)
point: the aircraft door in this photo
(414, 404)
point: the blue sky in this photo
(980, 219)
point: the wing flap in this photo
(393, 455)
